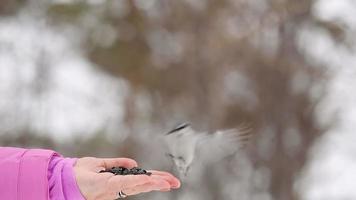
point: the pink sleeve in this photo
(61, 178)
(36, 174)
(23, 173)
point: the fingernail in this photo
(176, 185)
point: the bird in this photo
(186, 146)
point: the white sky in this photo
(78, 98)
(331, 172)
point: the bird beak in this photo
(183, 172)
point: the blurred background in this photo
(105, 78)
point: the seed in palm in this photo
(124, 171)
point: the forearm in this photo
(24, 173)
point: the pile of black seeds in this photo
(124, 171)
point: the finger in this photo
(120, 182)
(156, 185)
(175, 183)
(118, 162)
(162, 173)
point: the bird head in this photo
(181, 143)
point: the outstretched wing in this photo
(178, 128)
(214, 147)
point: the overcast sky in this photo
(68, 97)
(331, 172)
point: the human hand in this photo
(105, 186)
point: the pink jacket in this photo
(36, 174)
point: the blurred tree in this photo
(183, 52)
(216, 64)
(9, 7)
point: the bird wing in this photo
(216, 146)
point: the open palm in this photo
(105, 186)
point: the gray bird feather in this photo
(221, 144)
(186, 146)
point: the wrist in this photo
(62, 180)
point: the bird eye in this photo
(181, 158)
(170, 155)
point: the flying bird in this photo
(185, 146)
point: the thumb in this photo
(118, 162)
